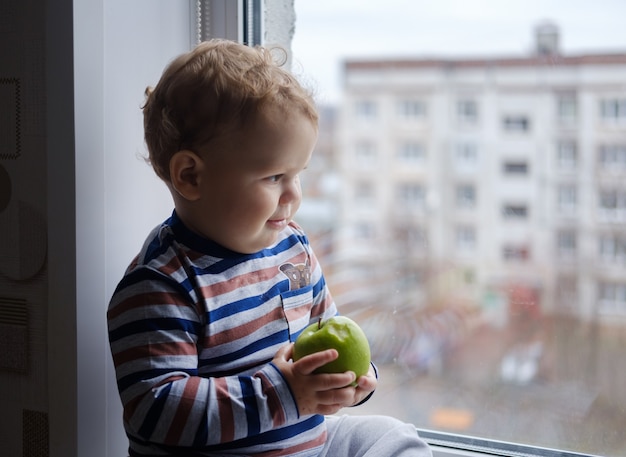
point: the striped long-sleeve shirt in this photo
(193, 328)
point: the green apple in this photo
(340, 333)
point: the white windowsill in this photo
(452, 445)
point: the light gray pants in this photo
(372, 436)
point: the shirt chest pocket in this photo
(297, 306)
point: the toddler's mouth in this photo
(278, 223)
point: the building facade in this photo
(496, 183)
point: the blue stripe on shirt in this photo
(257, 345)
(154, 413)
(156, 324)
(148, 274)
(246, 304)
(249, 399)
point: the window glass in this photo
(516, 123)
(567, 108)
(566, 244)
(365, 153)
(466, 196)
(411, 152)
(612, 157)
(567, 155)
(465, 238)
(467, 112)
(612, 205)
(410, 194)
(613, 109)
(479, 156)
(613, 248)
(411, 109)
(515, 211)
(567, 195)
(515, 167)
(364, 192)
(365, 110)
(465, 158)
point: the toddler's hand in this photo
(319, 393)
(366, 385)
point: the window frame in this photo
(567, 155)
(465, 238)
(514, 167)
(467, 111)
(456, 445)
(613, 110)
(240, 20)
(567, 244)
(567, 108)
(410, 152)
(465, 195)
(516, 123)
(513, 211)
(411, 109)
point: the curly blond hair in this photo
(214, 90)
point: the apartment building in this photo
(495, 182)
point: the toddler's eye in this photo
(274, 178)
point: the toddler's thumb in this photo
(285, 352)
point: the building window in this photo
(566, 155)
(567, 198)
(567, 109)
(365, 110)
(515, 167)
(612, 157)
(466, 156)
(411, 110)
(512, 211)
(613, 249)
(411, 194)
(613, 109)
(364, 231)
(465, 196)
(467, 112)
(365, 153)
(612, 298)
(466, 153)
(364, 192)
(411, 237)
(567, 294)
(566, 244)
(515, 253)
(516, 123)
(612, 205)
(411, 152)
(466, 238)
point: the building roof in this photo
(530, 61)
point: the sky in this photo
(328, 31)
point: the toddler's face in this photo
(250, 189)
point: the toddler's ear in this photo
(185, 171)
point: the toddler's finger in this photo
(308, 364)
(285, 352)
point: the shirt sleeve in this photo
(154, 328)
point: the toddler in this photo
(202, 323)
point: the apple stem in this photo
(319, 323)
